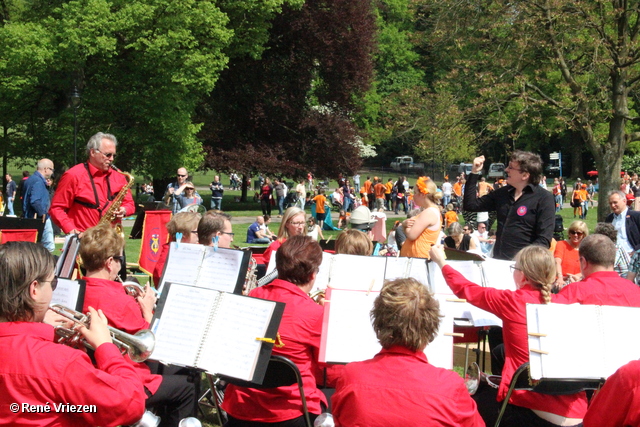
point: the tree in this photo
(290, 110)
(142, 67)
(523, 60)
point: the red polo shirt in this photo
(602, 288)
(398, 387)
(69, 208)
(35, 370)
(617, 404)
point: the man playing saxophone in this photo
(87, 190)
(44, 383)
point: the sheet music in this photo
(397, 268)
(230, 347)
(183, 263)
(66, 293)
(440, 351)
(497, 274)
(357, 272)
(184, 319)
(566, 329)
(347, 334)
(322, 279)
(469, 269)
(220, 269)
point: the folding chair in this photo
(546, 386)
(280, 372)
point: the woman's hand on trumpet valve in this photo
(147, 303)
(97, 333)
(54, 319)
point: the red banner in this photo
(26, 235)
(154, 235)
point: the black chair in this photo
(546, 386)
(280, 372)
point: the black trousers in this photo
(296, 422)
(173, 401)
(514, 416)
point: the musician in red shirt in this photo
(101, 253)
(601, 284)
(617, 404)
(534, 273)
(86, 191)
(37, 371)
(398, 387)
(299, 333)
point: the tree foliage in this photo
(557, 64)
(142, 67)
(290, 110)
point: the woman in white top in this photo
(313, 229)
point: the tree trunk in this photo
(576, 155)
(243, 197)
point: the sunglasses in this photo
(107, 155)
(54, 283)
(181, 176)
(577, 233)
(119, 258)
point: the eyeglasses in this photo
(298, 223)
(54, 283)
(194, 231)
(514, 268)
(577, 233)
(107, 155)
(118, 258)
(513, 169)
(228, 234)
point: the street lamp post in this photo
(75, 103)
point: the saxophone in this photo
(110, 214)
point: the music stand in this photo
(11, 223)
(458, 255)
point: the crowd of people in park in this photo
(92, 198)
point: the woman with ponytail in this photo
(423, 231)
(534, 275)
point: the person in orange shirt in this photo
(387, 193)
(321, 201)
(483, 187)
(450, 216)
(379, 189)
(423, 231)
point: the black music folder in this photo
(67, 261)
(220, 269)
(217, 332)
(69, 293)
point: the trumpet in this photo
(135, 289)
(317, 295)
(138, 346)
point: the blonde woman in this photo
(293, 224)
(534, 273)
(422, 231)
(566, 254)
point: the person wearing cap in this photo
(361, 219)
(423, 231)
(186, 195)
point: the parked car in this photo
(496, 170)
(455, 170)
(404, 163)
